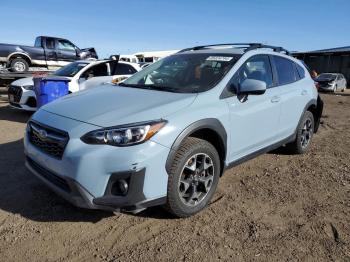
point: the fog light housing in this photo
(120, 188)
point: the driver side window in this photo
(65, 45)
(256, 68)
(97, 70)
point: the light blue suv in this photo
(167, 134)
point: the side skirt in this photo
(260, 152)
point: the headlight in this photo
(29, 87)
(126, 135)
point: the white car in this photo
(82, 75)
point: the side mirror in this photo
(81, 80)
(252, 87)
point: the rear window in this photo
(285, 70)
(37, 42)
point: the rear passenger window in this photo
(285, 70)
(301, 71)
(123, 69)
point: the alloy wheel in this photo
(306, 133)
(196, 179)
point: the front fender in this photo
(208, 123)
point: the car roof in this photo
(102, 61)
(238, 49)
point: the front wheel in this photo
(193, 177)
(304, 133)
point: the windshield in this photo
(326, 76)
(183, 73)
(71, 69)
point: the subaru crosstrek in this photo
(166, 135)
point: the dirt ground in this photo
(276, 207)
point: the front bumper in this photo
(77, 195)
(327, 88)
(22, 98)
(85, 173)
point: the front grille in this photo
(48, 175)
(49, 140)
(16, 91)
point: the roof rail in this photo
(247, 46)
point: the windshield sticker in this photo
(219, 58)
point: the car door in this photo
(294, 92)
(95, 76)
(66, 51)
(50, 52)
(254, 119)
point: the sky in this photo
(126, 27)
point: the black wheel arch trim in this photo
(317, 112)
(207, 123)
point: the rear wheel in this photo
(304, 134)
(19, 65)
(193, 177)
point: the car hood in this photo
(27, 81)
(110, 105)
(325, 80)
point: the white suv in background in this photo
(82, 75)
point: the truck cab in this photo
(59, 52)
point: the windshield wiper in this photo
(152, 87)
(163, 88)
(133, 85)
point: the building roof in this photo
(329, 50)
(337, 49)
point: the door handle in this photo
(304, 92)
(275, 99)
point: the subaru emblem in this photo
(42, 133)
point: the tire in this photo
(298, 146)
(179, 196)
(19, 65)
